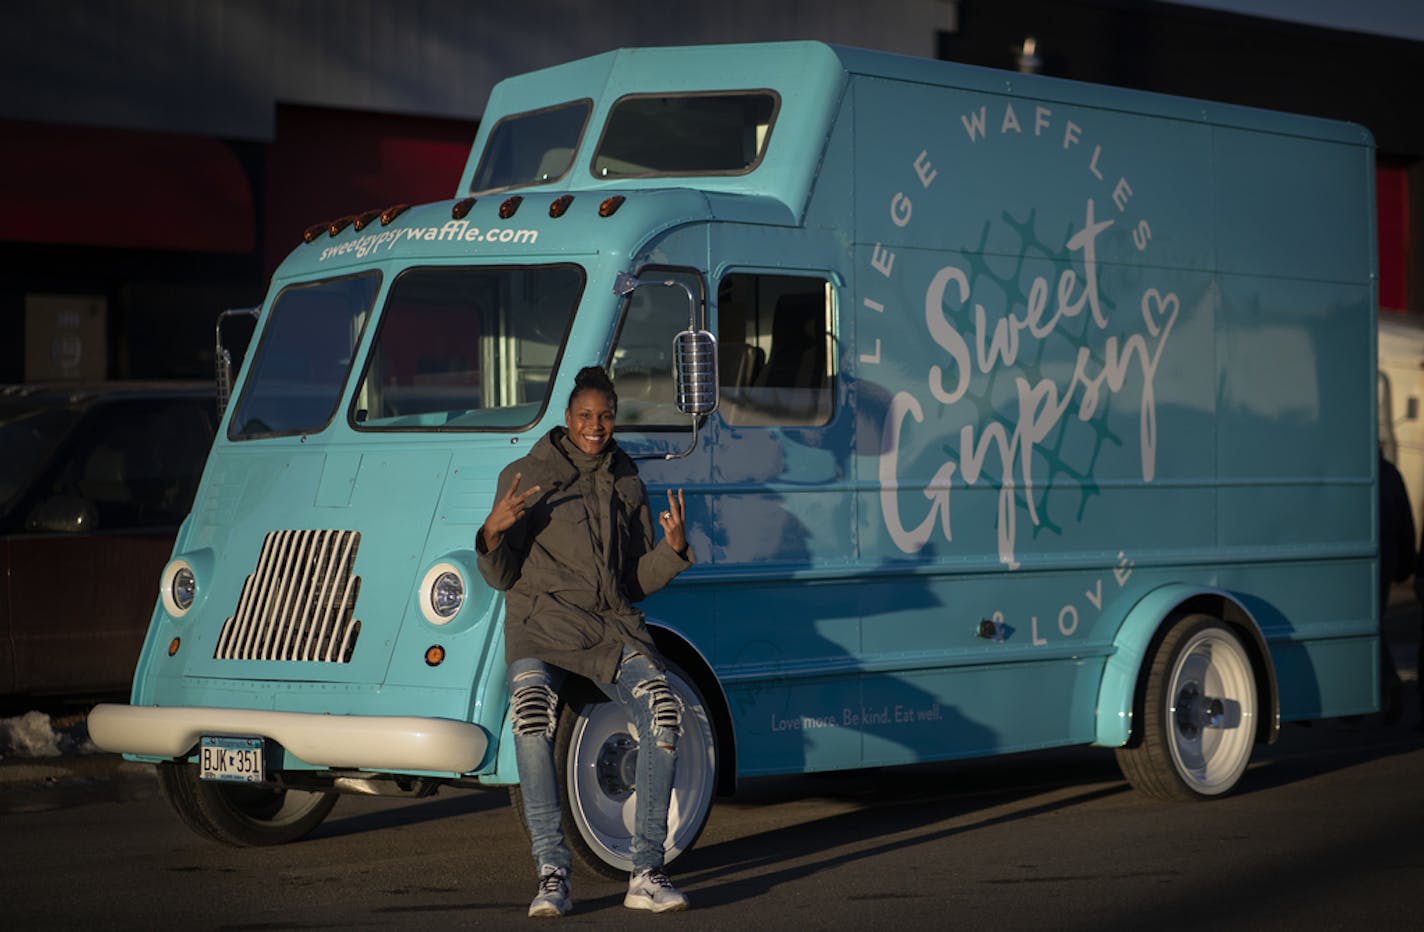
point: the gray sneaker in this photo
(651, 890)
(553, 899)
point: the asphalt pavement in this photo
(53, 763)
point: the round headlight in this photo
(184, 587)
(447, 595)
(442, 593)
(178, 588)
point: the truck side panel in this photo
(1091, 353)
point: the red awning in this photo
(89, 186)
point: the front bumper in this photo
(386, 744)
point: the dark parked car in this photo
(94, 482)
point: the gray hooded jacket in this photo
(582, 553)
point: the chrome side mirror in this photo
(694, 357)
(694, 360)
(222, 359)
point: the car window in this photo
(29, 437)
(129, 465)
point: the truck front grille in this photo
(300, 601)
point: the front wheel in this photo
(240, 815)
(1197, 714)
(597, 758)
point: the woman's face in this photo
(590, 421)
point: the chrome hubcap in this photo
(617, 766)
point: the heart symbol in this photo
(1156, 307)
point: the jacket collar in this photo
(556, 469)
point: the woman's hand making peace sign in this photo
(672, 521)
(507, 510)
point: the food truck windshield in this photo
(455, 348)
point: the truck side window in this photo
(642, 355)
(774, 336)
(531, 148)
(719, 133)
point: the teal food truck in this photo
(1011, 413)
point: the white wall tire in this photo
(1197, 717)
(596, 756)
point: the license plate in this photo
(232, 760)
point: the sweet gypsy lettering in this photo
(975, 342)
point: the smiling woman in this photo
(590, 420)
(573, 548)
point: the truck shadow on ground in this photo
(902, 808)
(1306, 750)
(894, 808)
(897, 807)
(449, 804)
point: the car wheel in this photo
(597, 759)
(242, 815)
(1196, 714)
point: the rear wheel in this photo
(240, 815)
(597, 757)
(1197, 715)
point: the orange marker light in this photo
(560, 205)
(510, 205)
(434, 655)
(173, 646)
(610, 207)
(461, 208)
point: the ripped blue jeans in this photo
(641, 689)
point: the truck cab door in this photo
(784, 521)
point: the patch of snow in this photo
(37, 734)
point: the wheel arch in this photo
(685, 654)
(1120, 690)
